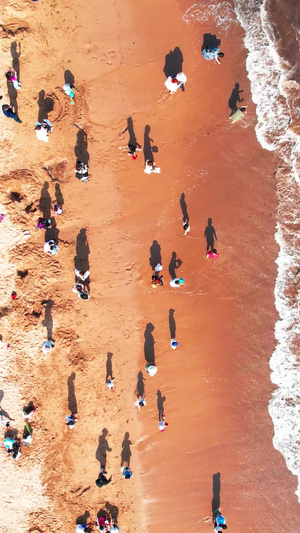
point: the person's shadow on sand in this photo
(83, 519)
(46, 105)
(53, 232)
(160, 405)
(72, 402)
(155, 254)
(113, 511)
(174, 264)
(58, 195)
(15, 50)
(210, 40)
(216, 482)
(69, 78)
(2, 411)
(132, 138)
(81, 260)
(140, 386)
(185, 216)
(148, 149)
(109, 370)
(172, 324)
(173, 62)
(103, 448)
(80, 150)
(235, 97)
(210, 235)
(48, 320)
(45, 201)
(126, 451)
(149, 344)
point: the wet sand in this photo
(216, 384)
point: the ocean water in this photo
(272, 38)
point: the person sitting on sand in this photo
(47, 346)
(151, 167)
(9, 112)
(212, 52)
(11, 77)
(71, 420)
(173, 83)
(212, 253)
(176, 282)
(42, 129)
(57, 209)
(126, 472)
(82, 274)
(82, 171)
(102, 479)
(51, 247)
(219, 522)
(186, 226)
(43, 223)
(78, 287)
(140, 402)
(238, 114)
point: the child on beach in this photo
(42, 130)
(173, 83)
(57, 209)
(212, 52)
(151, 167)
(11, 77)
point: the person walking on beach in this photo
(212, 52)
(219, 521)
(238, 114)
(47, 346)
(42, 130)
(157, 280)
(82, 274)
(176, 282)
(126, 472)
(84, 295)
(77, 288)
(8, 111)
(212, 254)
(140, 402)
(11, 77)
(71, 420)
(173, 83)
(151, 369)
(132, 149)
(57, 209)
(186, 227)
(102, 480)
(151, 167)
(69, 91)
(51, 247)
(82, 171)
(83, 528)
(44, 223)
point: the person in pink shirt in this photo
(10, 75)
(212, 253)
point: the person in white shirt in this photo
(173, 83)
(176, 282)
(42, 129)
(141, 402)
(186, 227)
(51, 247)
(47, 346)
(150, 167)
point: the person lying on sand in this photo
(151, 167)
(238, 114)
(173, 83)
(42, 129)
(212, 52)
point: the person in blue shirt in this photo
(212, 52)
(9, 112)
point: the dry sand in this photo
(216, 384)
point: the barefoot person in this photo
(212, 52)
(219, 522)
(42, 130)
(132, 149)
(151, 167)
(238, 114)
(9, 112)
(173, 83)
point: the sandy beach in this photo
(217, 449)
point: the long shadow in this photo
(155, 254)
(173, 62)
(45, 201)
(69, 78)
(2, 411)
(15, 50)
(81, 260)
(83, 519)
(172, 324)
(210, 40)
(58, 195)
(48, 320)
(113, 511)
(148, 148)
(72, 402)
(174, 264)
(109, 370)
(160, 405)
(81, 148)
(103, 448)
(46, 105)
(235, 97)
(140, 386)
(13, 95)
(183, 206)
(149, 344)
(53, 232)
(132, 138)
(216, 481)
(126, 451)
(210, 235)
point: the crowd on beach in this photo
(11, 442)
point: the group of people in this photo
(12, 443)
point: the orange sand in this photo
(216, 384)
